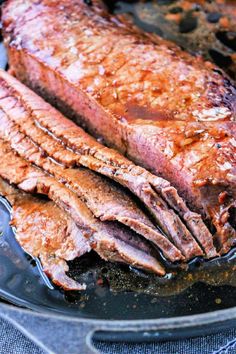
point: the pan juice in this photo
(204, 286)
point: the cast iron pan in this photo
(120, 304)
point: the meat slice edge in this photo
(100, 199)
(137, 179)
(30, 179)
(45, 231)
(102, 116)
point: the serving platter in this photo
(120, 304)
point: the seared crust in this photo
(48, 233)
(165, 109)
(40, 134)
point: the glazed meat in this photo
(25, 120)
(166, 110)
(48, 233)
(45, 231)
(23, 126)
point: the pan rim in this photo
(206, 318)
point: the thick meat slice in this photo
(28, 111)
(19, 172)
(47, 232)
(119, 244)
(165, 109)
(104, 200)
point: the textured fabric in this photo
(13, 342)
(204, 345)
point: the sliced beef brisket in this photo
(21, 117)
(165, 109)
(44, 231)
(47, 232)
(105, 201)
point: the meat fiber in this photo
(25, 125)
(48, 233)
(166, 110)
(122, 209)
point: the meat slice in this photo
(44, 231)
(30, 179)
(104, 200)
(119, 244)
(166, 110)
(27, 111)
(47, 232)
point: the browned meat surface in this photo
(105, 203)
(165, 109)
(119, 244)
(47, 232)
(23, 116)
(19, 172)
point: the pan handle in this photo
(52, 334)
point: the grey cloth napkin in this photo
(12, 341)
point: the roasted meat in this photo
(165, 109)
(22, 124)
(48, 233)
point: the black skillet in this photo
(119, 304)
